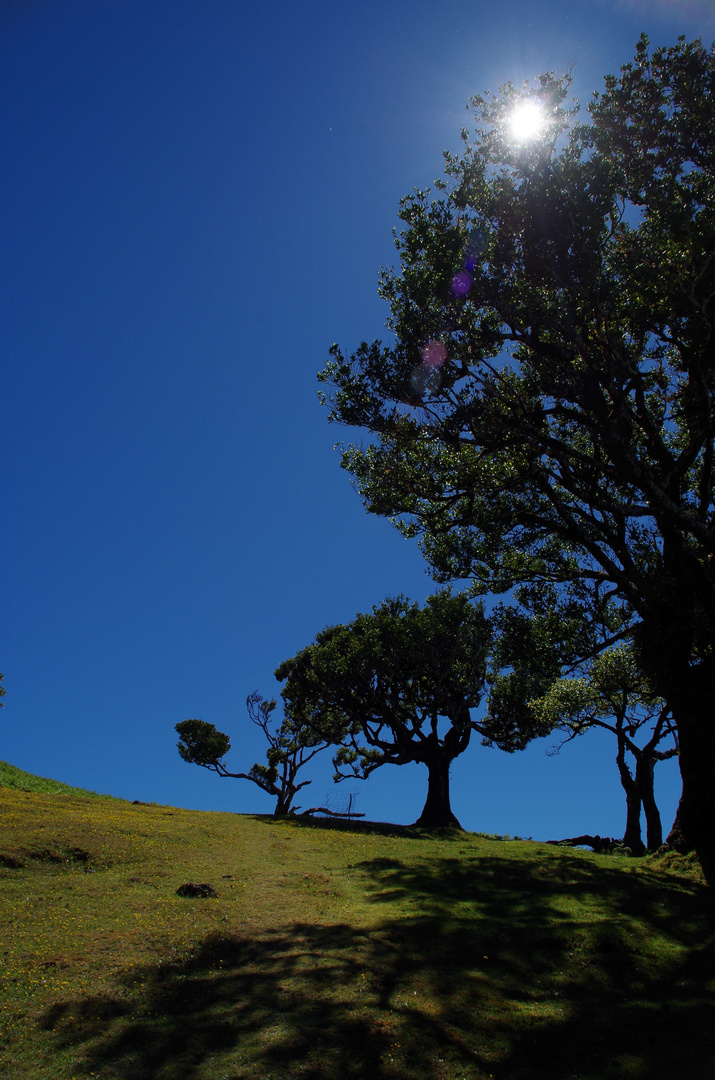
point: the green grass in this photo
(12, 777)
(338, 950)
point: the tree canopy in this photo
(396, 686)
(544, 411)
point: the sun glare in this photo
(527, 121)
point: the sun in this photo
(526, 121)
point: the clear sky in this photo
(196, 198)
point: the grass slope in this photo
(337, 951)
(12, 777)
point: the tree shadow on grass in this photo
(293, 1002)
(593, 972)
(354, 825)
(510, 968)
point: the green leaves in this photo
(383, 684)
(201, 744)
(568, 432)
(567, 284)
(291, 745)
(614, 687)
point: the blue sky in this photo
(196, 200)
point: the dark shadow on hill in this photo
(377, 828)
(626, 989)
(473, 968)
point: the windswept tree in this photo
(545, 411)
(290, 746)
(396, 686)
(614, 694)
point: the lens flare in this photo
(461, 283)
(425, 381)
(426, 378)
(526, 122)
(474, 249)
(434, 354)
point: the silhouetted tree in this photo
(396, 686)
(614, 694)
(290, 747)
(546, 410)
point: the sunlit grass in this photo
(332, 952)
(12, 777)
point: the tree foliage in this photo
(534, 642)
(201, 743)
(545, 410)
(561, 665)
(612, 693)
(396, 686)
(291, 745)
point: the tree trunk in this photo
(666, 648)
(283, 805)
(644, 779)
(632, 838)
(694, 825)
(437, 812)
(691, 702)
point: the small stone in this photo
(194, 889)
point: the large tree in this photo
(545, 410)
(396, 686)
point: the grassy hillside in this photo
(12, 777)
(337, 951)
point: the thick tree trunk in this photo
(654, 826)
(666, 648)
(437, 812)
(632, 838)
(283, 805)
(694, 825)
(644, 779)
(691, 701)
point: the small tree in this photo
(396, 686)
(290, 747)
(615, 695)
(568, 666)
